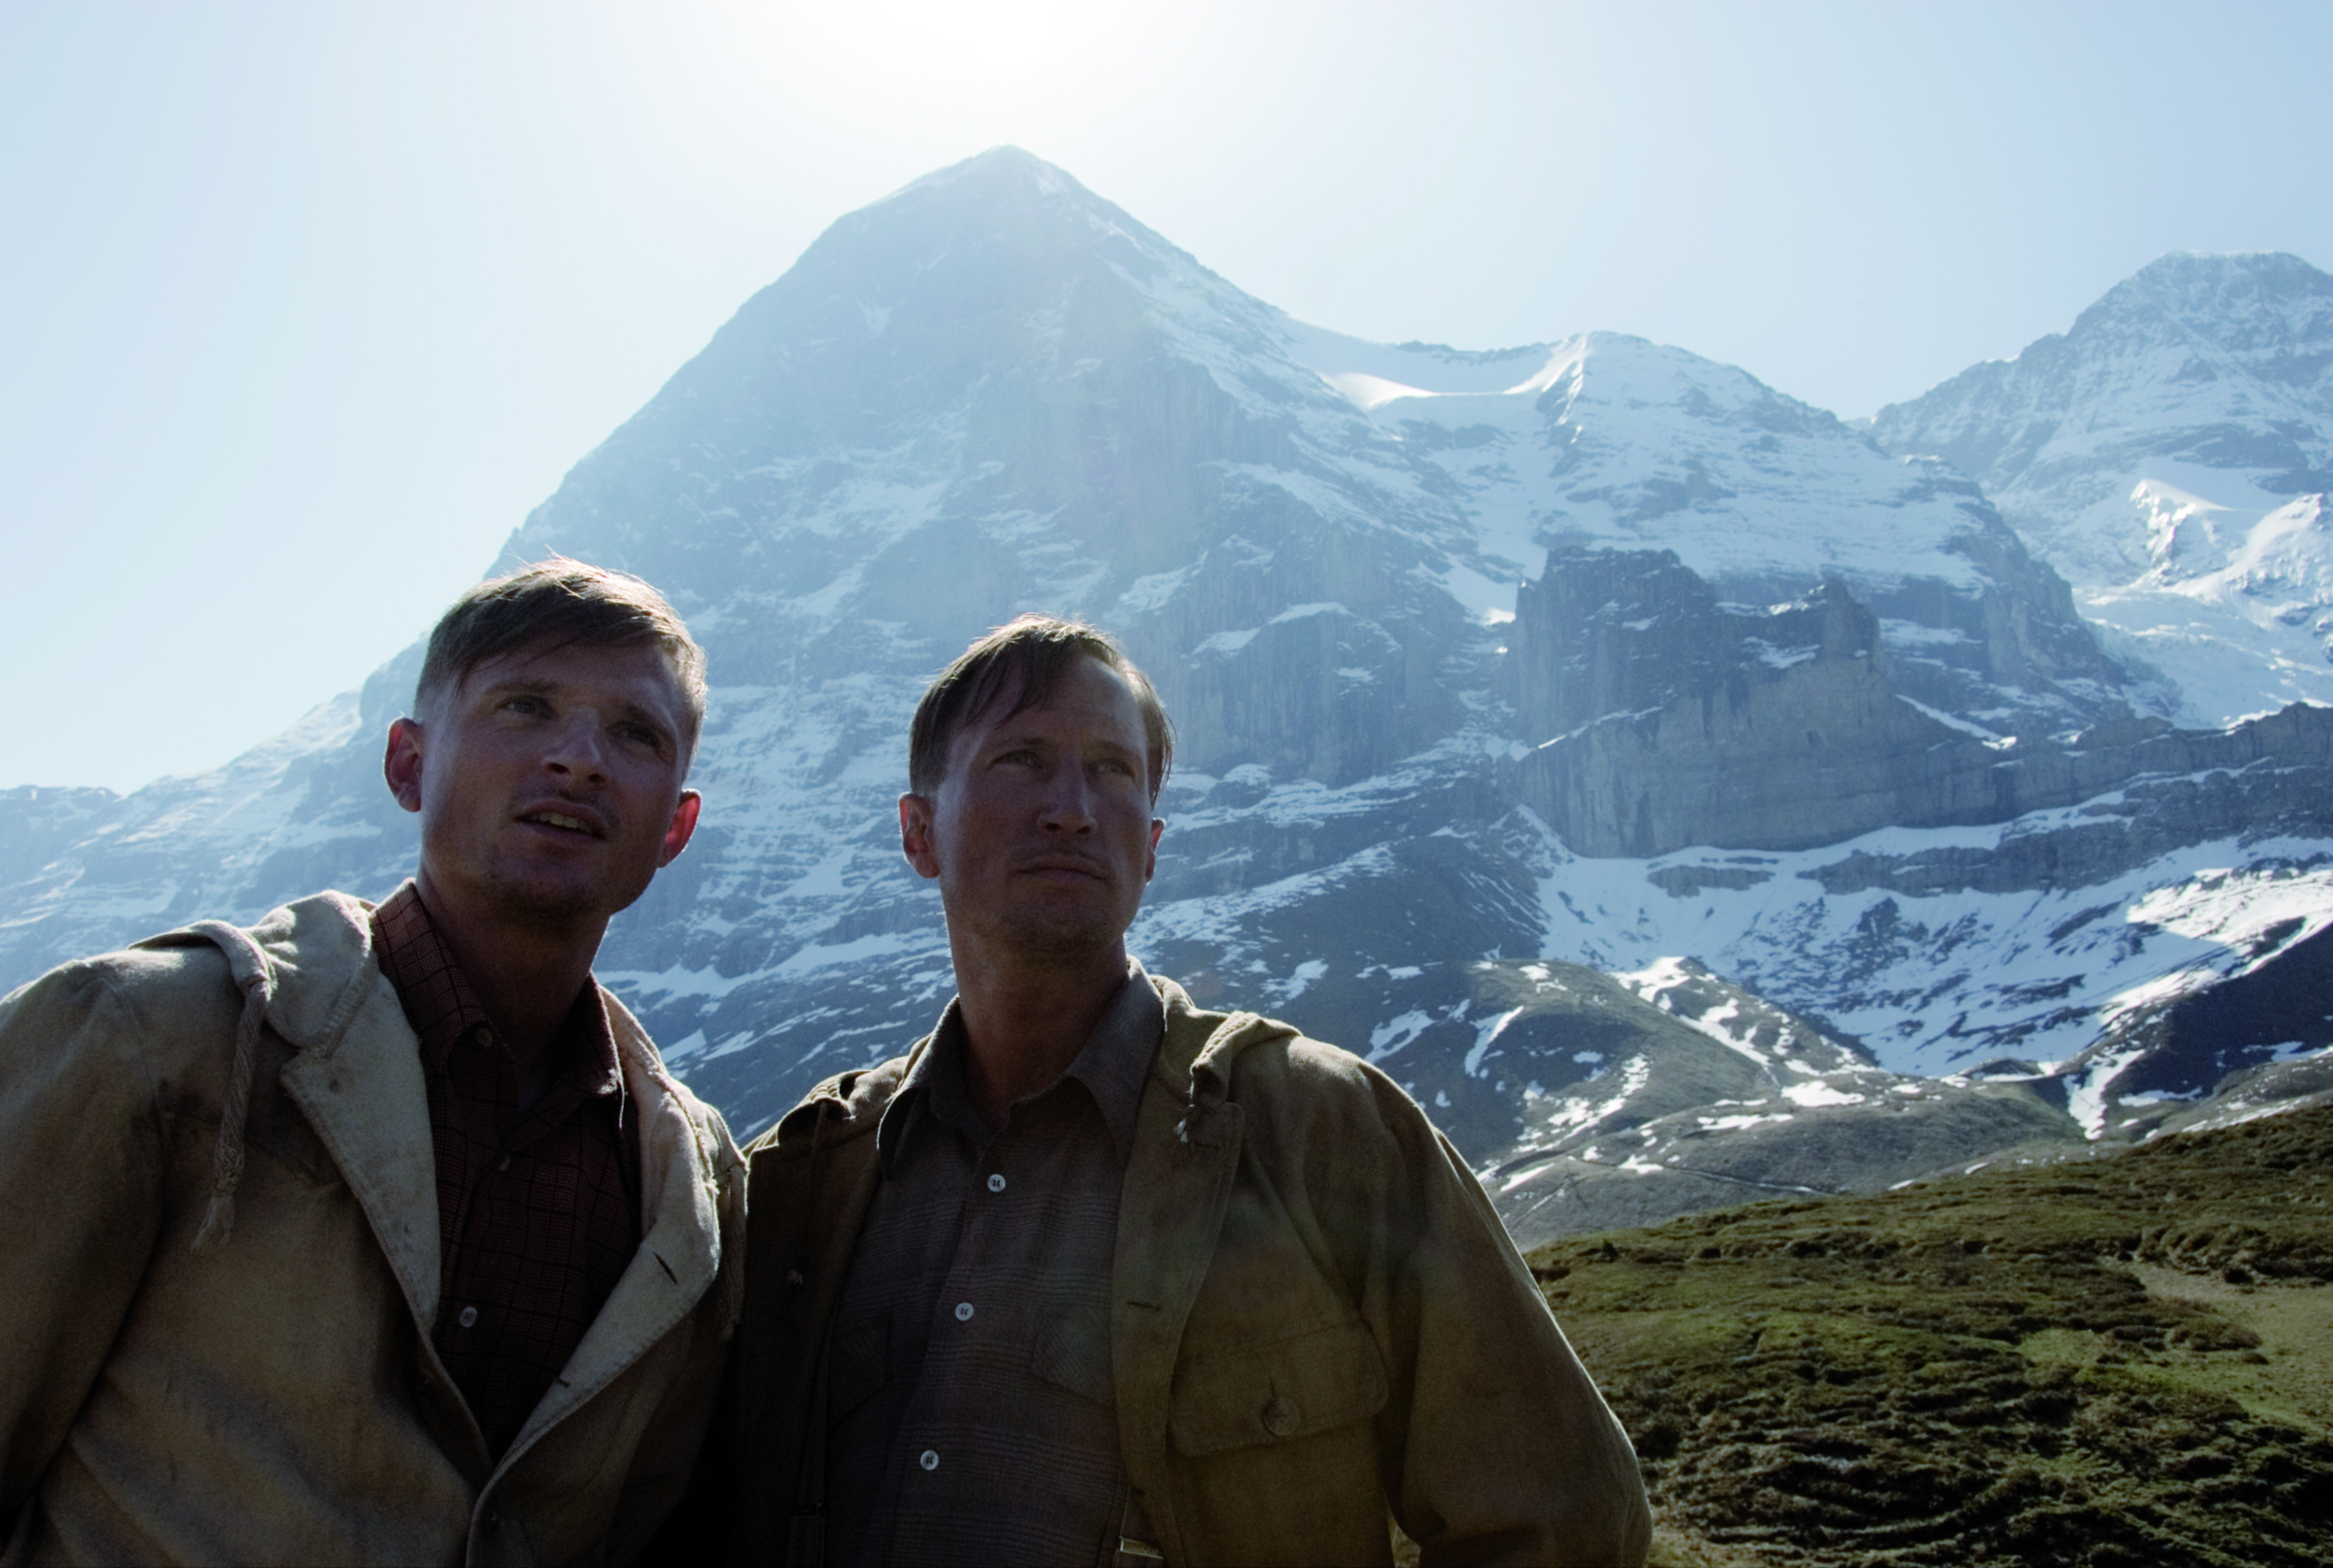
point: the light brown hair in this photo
(1026, 658)
(562, 602)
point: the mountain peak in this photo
(2278, 270)
(1005, 208)
(1003, 165)
(2216, 291)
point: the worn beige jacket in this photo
(1316, 1321)
(218, 1212)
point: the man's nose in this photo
(1068, 803)
(577, 748)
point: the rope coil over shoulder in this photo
(257, 981)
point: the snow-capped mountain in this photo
(2170, 455)
(1490, 670)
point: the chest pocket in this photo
(1277, 1390)
(1073, 1352)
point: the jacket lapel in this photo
(364, 1096)
(1169, 1213)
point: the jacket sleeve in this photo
(1496, 1447)
(81, 1200)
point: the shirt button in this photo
(963, 1312)
(997, 1183)
(502, 1164)
(931, 1459)
(469, 1317)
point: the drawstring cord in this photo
(257, 981)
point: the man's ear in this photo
(915, 835)
(1150, 861)
(684, 823)
(401, 765)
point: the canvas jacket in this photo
(217, 1206)
(1316, 1320)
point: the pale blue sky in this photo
(306, 305)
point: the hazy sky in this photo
(307, 304)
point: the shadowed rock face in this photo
(2189, 1061)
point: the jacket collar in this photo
(1112, 1067)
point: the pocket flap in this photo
(1292, 1386)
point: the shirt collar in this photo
(444, 1009)
(1111, 1067)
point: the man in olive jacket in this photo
(379, 1234)
(1095, 1275)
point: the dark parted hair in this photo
(1026, 660)
(565, 603)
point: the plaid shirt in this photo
(537, 1212)
(971, 1413)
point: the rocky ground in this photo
(2123, 1360)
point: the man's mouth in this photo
(567, 822)
(1075, 865)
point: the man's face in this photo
(549, 781)
(1040, 833)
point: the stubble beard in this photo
(1055, 938)
(545, 899)
(525, 902)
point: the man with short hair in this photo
(380, 1234)
(1092, 1274)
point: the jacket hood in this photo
(1202, 1046)
(304, 969)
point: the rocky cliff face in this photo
(1677, 721)
(1755, 654)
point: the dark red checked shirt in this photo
(537, 1212)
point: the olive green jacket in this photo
(1316, 1320)
(218, 1208)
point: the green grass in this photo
(2121, 1360)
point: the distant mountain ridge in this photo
(2170, 454)
(1439, 630)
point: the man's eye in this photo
(523, 703)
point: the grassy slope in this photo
(2123, 1360)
